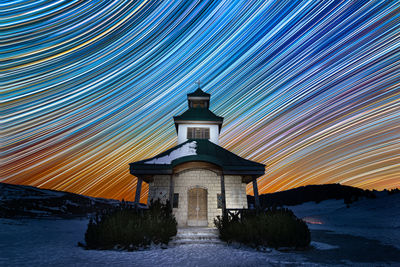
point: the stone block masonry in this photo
(199, 178)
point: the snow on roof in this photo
(188, 149)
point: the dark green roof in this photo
(199, 93)
(198, 114)
(202, 150)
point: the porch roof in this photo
(195, 150)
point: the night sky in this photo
(309, 88)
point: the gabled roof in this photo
(198, 114)
(197, 150)
(199, 93)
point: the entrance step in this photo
(196, 235)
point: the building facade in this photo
(200, 178)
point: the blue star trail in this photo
(309, 88)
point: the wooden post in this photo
(138, 190)
(255, 190)
(171, 191)
(223, 195)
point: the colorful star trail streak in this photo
(309, 88)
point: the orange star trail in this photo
(309, 88)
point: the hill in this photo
(316, 193)
(29, 201)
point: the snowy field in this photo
(377, 219)
(366, 234)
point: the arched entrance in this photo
(197, 207)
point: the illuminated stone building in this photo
(200, 178)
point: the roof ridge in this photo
(199, 92)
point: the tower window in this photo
(199, 104)
(198, 133)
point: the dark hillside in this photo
(29, 201)
(316, 193)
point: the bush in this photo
(130, 228)
(272, 228)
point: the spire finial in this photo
(198, 83)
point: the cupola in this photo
(198, 99)
(198, 122)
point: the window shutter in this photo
(190, 133)
(206, 133)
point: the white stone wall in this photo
(235, 191)
(196, 178)
(182, 132)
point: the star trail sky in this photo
(309, 88)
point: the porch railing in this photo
(238, 214)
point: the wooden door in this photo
(197, 207)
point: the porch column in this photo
(138, 190)
(223, 195)
(255, 190)
(171, 190)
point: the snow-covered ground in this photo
(53, 242)
(377, 219)
(48, 242)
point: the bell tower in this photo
(198, 122)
